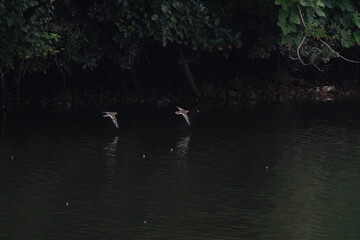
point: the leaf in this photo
(348, 6)
(345, 43)
(286, 39)
(357, 36)
(294, 16)
(310, 15)
(283, 14)
(285, 4)
(170, 38)
(330, 4)
(346, 35)
(164, 8)
(348, 40)
(9, 22)
(305, 3)
(319, 12)
(298, 38)
(343, 22)
(154, 17)
(286, 27)
(356, 20)
(319, 3)
(345, 5)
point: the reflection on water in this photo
(110, 157)
(79, 178)
(182, 146)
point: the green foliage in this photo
(335, 22)
(118, 30)
(42, 33)
(88, 34)
(187, 23)
(256, 20)
(84, 33)
(25, 29)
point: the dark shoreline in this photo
(71, 101)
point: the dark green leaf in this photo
(357, 36)
(164, 8)
(9, 22)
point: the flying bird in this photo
(112, 116)
(183, 112)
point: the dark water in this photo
(268, 172)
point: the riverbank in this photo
(238, 90)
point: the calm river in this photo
(287, 171)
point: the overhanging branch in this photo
(322, 41)
(337, 54)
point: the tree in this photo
(314, 29)
(186, 24)
(27, 39)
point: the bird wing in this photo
(183, 112)
(186, 118)
(113, 118)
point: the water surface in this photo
(287, 171)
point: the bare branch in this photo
(291, 57)
(327, 45)
(338, 54)
(301, 16)
(303, 40)
(318, 68)
(298, 50)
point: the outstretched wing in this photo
(186, 118)
(183, 112)
(113, 118)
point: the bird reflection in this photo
(183, 146)
(110, 160)
(114, 142)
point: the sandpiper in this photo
(184, 113)
(112, 116)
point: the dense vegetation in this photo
(54, 43)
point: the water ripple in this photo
(281, 172)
